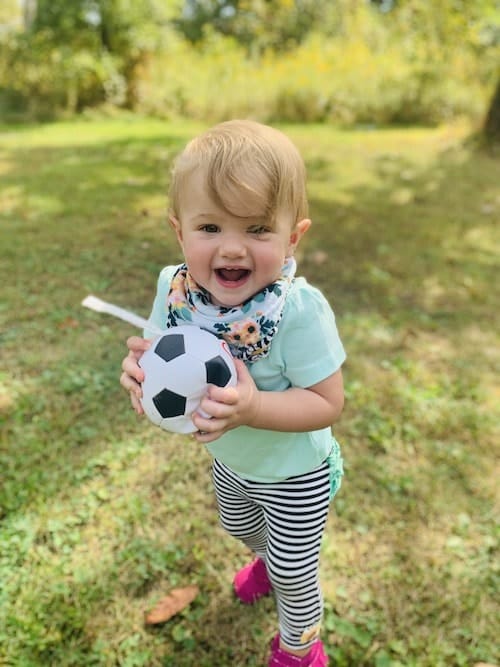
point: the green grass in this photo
(101, 513)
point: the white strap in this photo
(100, 306)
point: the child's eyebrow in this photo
(201, 217)
(256, 218)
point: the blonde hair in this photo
(250, 169)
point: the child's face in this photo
(232, 257)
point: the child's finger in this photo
(216, 409)
(136, 404)
(205, 436)
(227, 395)
(131, 368)
(207, 423)
(138, 344)
(130, 385)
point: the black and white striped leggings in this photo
(283, 524)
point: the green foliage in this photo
(102, 514)
(279, 25)
(283, 60)
(79, 55)
(43, 76)
(341, 81)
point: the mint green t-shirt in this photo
(306, 350)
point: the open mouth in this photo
(233, 277)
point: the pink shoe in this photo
(315, 658)
(252, 582)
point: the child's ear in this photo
(176, 226)
(297, 233)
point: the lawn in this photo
(102, 514)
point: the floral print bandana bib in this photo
(248, 328)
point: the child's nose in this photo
(232, 246)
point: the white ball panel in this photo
(178, 425)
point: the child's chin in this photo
(228, 301)
(231, 295)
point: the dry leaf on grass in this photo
(177, 600)
(68, 323)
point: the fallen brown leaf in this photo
(68, 323)
(177, 600)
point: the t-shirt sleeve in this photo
(158, 316)
(312, 347)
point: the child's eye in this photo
(209, 228)
(259, 229)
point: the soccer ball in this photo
(178, 367)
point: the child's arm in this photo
(293, 410)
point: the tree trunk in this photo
(29, 8)
(492, 122)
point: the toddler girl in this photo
(238, 206)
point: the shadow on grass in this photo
(414, 230)
(73, 623)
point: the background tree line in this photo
(297, 60)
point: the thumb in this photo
(242, 371)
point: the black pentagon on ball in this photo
(169, 404)
(218, 371)
(170, 347)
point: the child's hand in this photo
(133, 374)
(228, 407)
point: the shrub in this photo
(43, 79)
(344, 81)
(360, 78)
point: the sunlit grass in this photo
(102, 514)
